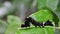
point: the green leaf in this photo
(3, 26)
(14, 24)
(52, 4)
(42, 15)
(37, 30)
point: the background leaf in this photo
(14, 24)
(52, 4)
(57, 12)
(3, 26)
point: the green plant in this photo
(42, 4)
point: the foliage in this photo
(3, 26)
(14, 24)
(42, 15)
(36, 30)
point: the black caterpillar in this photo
(30, 20)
